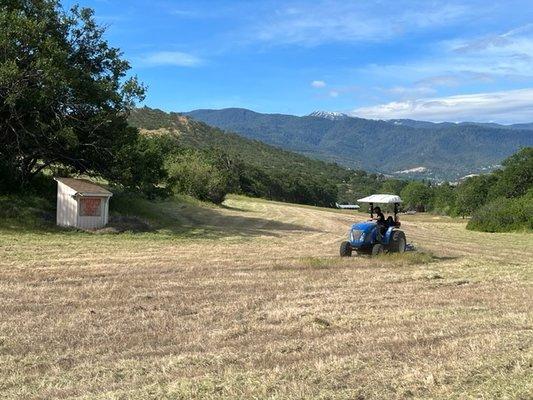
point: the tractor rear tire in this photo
(346, 249)
(398, 242)
(377, 249)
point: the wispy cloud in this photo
(326, 21)
(184, 13)
(508, 53)
(504, 107)
(410, 92)
(170, 58)
(506, 39)
(318, 84)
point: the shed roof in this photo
(84, 187)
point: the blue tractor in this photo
(371, 237)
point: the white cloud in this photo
(170, 58)
(318, 84)
(334, 93)
(504, 107)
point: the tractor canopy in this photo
(381, 199)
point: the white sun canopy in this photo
(381, 198)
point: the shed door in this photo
(90, 206)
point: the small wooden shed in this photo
(82, 203)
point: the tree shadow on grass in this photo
(191, 221)
(231, 208)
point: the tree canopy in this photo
(516, 178)
(65, 96)
(416, 195)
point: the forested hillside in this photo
(446, 151)
(198, 135)
(262, 170)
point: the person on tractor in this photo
(382, 223)
(380, 218)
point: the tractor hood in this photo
(366, 226)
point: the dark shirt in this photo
(380, 218)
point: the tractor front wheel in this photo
(346, 249)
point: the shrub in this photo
(504, 215)
(191, 173)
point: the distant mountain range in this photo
(405, 148)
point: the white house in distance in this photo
(82, 204)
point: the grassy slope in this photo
(258, 305)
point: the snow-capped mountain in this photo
(331, 115)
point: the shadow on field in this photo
(212, 222)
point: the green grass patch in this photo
(319, 263)
(397, 259)
(26, 212)
(409, 258)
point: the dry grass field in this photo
(251, 301)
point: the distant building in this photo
(464, 178)
(347, 206)
(82, 203)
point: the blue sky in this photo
(428, 60)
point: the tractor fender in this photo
(388, 235)
(374, 234)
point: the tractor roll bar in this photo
(396, 210)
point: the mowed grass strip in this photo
(274, 315)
